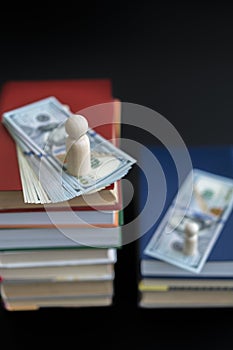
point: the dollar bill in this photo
(210, 206)
(39, 131)
(33, 192)
(38, 173)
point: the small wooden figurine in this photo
(77, 146)
(191, 239)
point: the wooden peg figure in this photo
(191, 239)
(78, 154)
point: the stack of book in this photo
(58, 255)
(162, 284)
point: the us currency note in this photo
(39, 130)
(38, 173)
(210, 206)
(33, 192)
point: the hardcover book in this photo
(100, 208)
(80, 96)
(162, 284)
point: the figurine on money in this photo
(93, 161)
(78, 154)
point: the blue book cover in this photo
(215, 159)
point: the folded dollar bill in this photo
(39, 132)
(210, 206)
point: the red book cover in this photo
(79, 95)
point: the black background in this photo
(176, 58)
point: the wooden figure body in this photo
(78, 155)
(191, 239)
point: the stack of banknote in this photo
(39, 132)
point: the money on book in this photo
(39, 132)
(210, 206)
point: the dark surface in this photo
(177, 60)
